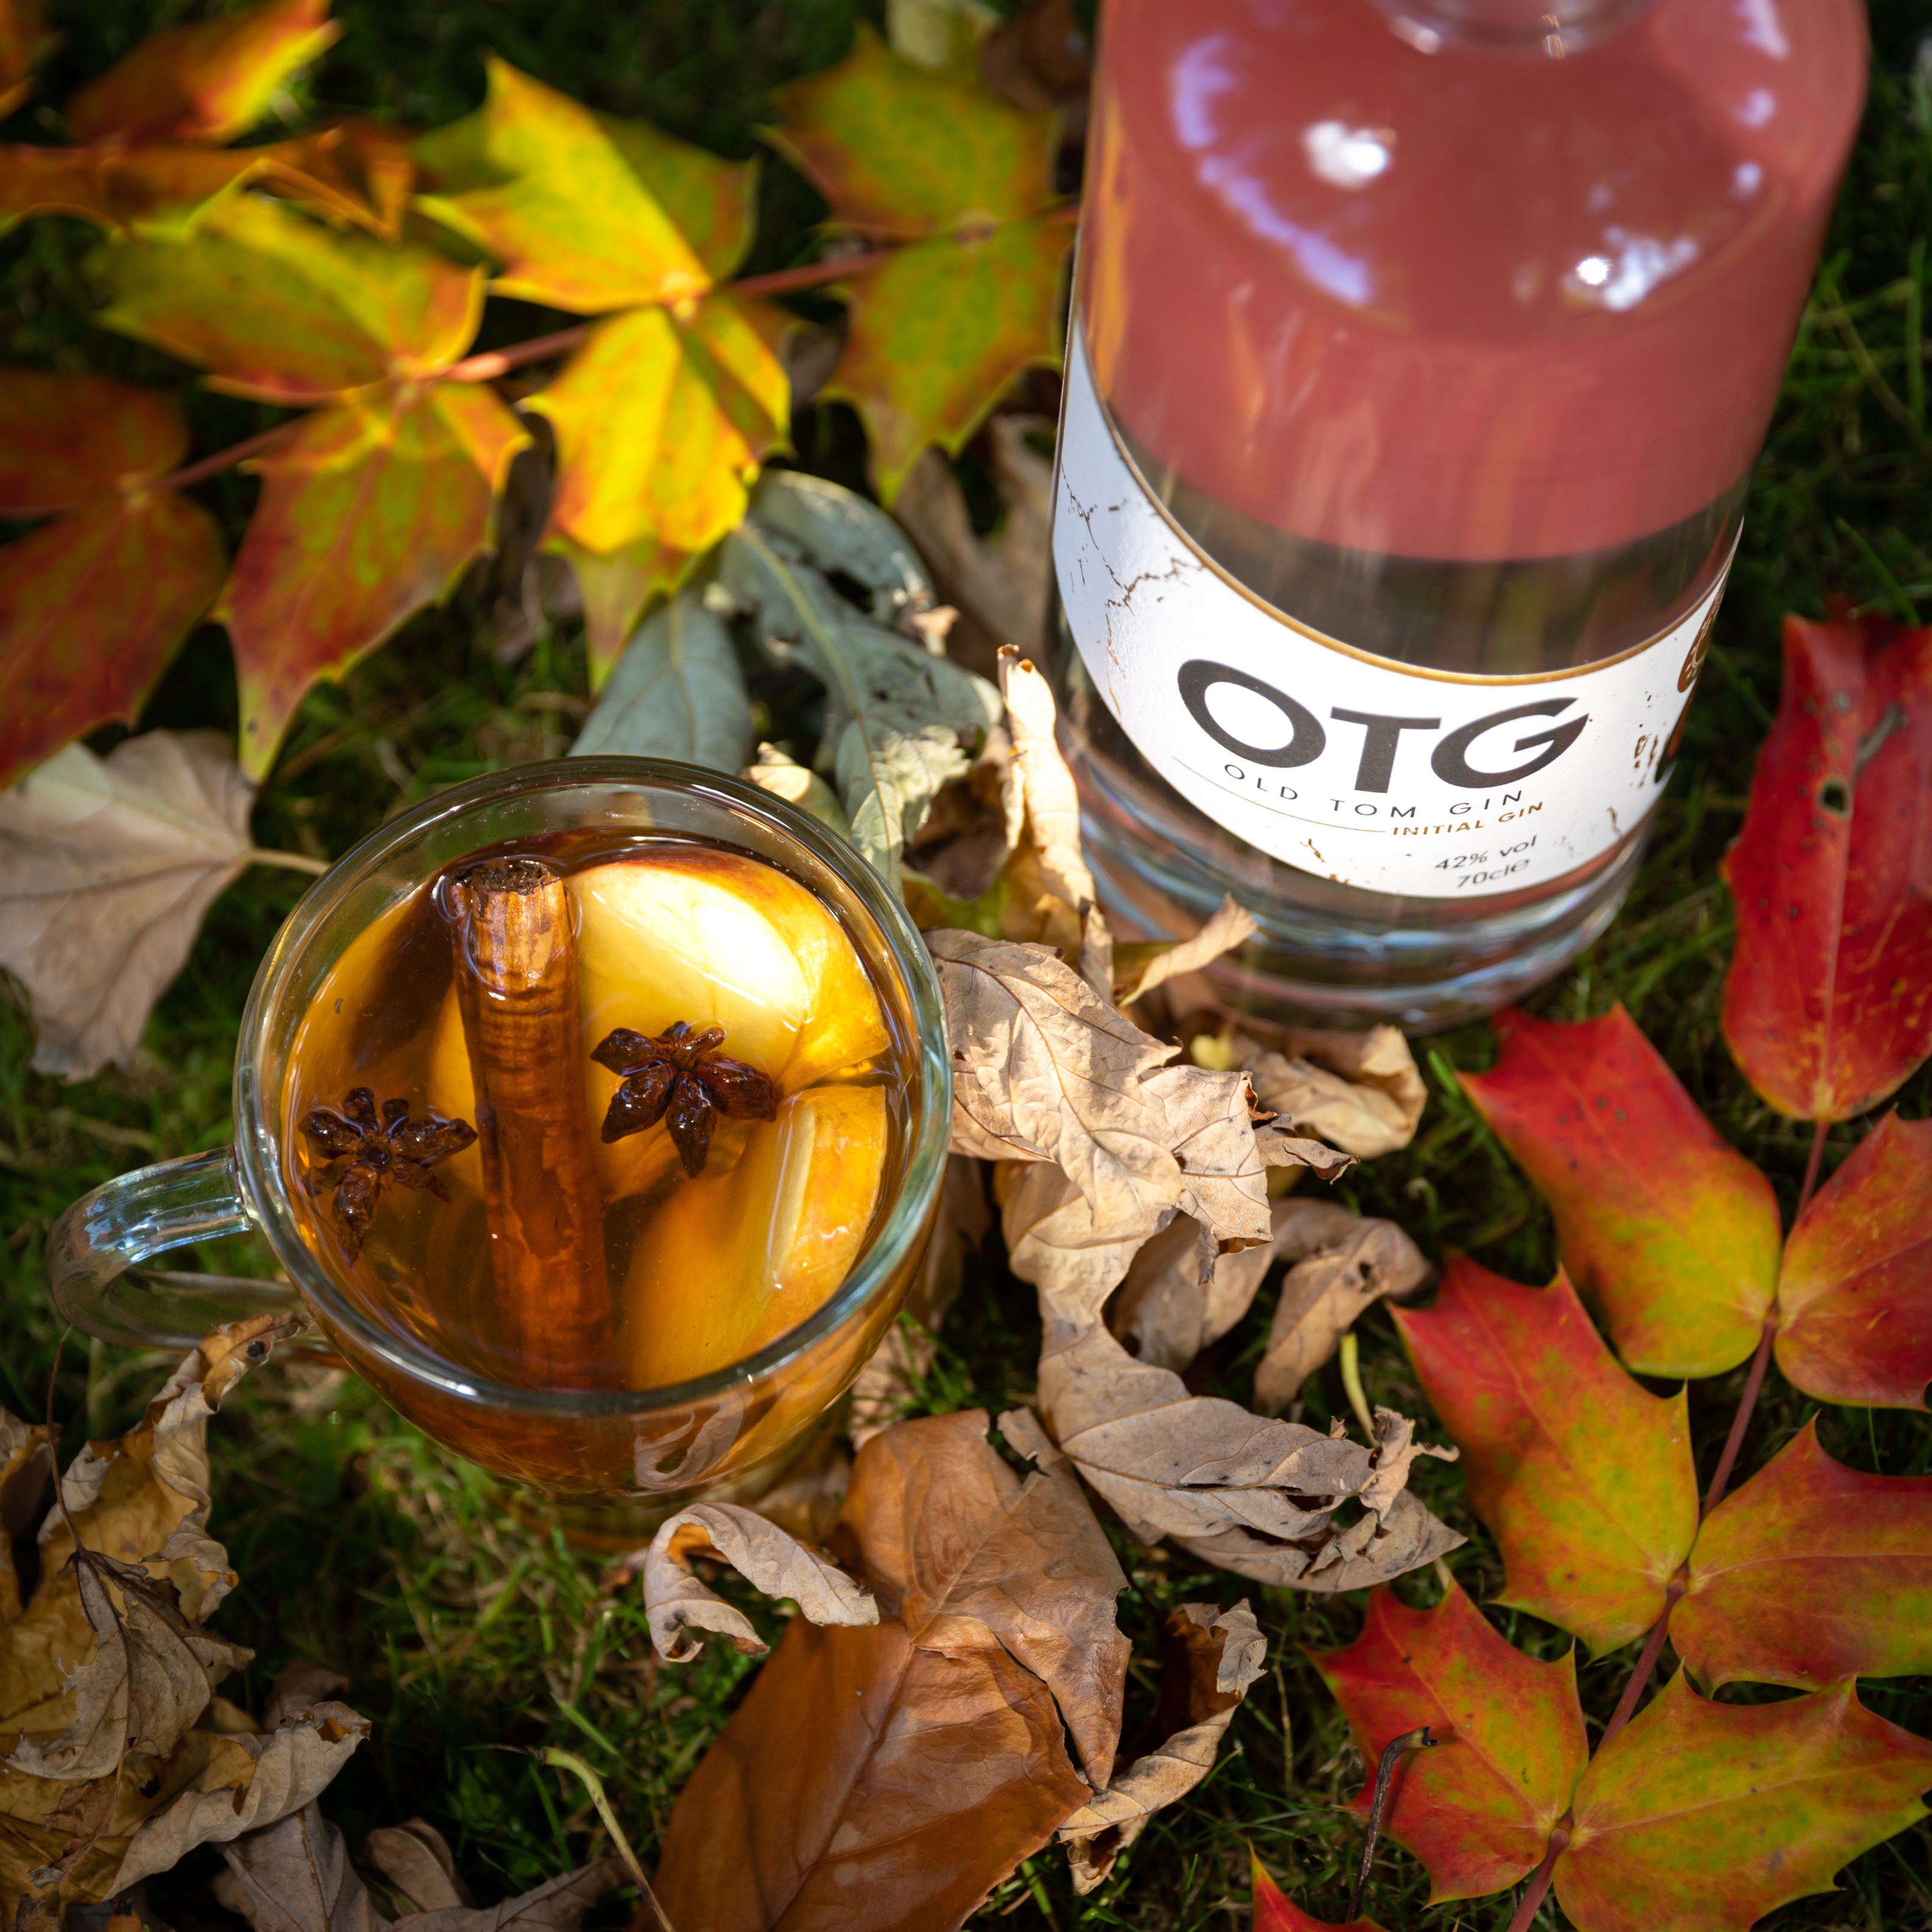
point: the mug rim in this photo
(255, 1139)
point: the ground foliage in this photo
(358, 1544)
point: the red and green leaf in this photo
(1855, 1301)
(581, 211)
(1703, 1816)
(1663, 1224)
(899, 152)
(23, 39)
(938, 333)
(368, 513)
(92, 606)
(1585, 1479)
(282, 308)
(65, 439)
(1478, 1809)
(616, 588)
(660, 425)
(1827, 1005)
(1810, 1573)
(209, 82)
(1275, 1912)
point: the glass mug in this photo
(726, 1432)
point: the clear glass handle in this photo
(93, 1246)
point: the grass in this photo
(360, 1544)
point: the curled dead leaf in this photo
(1140, 968)
(415, 1858)
(1361, 1091)
(1213, 1657)
(767, 1556)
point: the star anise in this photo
(365, 1157)
(680, 1077)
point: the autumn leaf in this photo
(1855, 1297)
(973, 299)
(1166, 1314)
(1704, 1817)
(675, 693)
(1361, 1092)
(1584, 1478)
(368, 512)
(106, 867)
(1810, 1573)
(1478, 1810)
(1828, 1003)
(900, 152)
(581, 211)
(93, 603)
(209, 82)
(889, 1776)
(24, 37)
(784, 777)
(284, 309)
(1275, 1912)
(936, 334)
(1662, 1223)
(1140, 968)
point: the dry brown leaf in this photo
(805, 1504)
(106, 868)
(1360, 1091)
(1165, 1313)
(415, 1858)
(104, 1673)
(676, 1602)
(1213, 1657)
(298, 1688)
(1343, 1263)
(1140, 968)
(296, 1876)
(26, 1457)
(888, 1777)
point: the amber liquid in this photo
(702, 1272)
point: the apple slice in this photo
(732, 1261)
(714, 938)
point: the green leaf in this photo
(900, 151)
(1663, 1224)
(281, 308)
(1585, 1478)
(1702, 1817)
(675, 693)
(368, 512)
(209, 82)
(886, 778)
(661, 425)
(938, 332)
(584, 211)
(1810, 1573)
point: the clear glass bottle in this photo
(1420, 352)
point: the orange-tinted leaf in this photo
(660, 425)
(284, 309)
(1702, 1817)
(902, 151)
(91, 608)
(159, 188)
(1663, 1224)
(355, 171)
(616, 588)
(938, 333)
(368, 512)
(1585, 1478)
(64, 439)
(206, 83)
(584, 211)
(1275, 1912)
(1477, 1810)
(23, 39)
(1827, 1005)
(1855, 1300)
(1810, 1573)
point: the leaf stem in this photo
(1646, 1662)
(293, 862)
(1417, 1739)
(1740, 1422)
(1526, 1910)
(1819, 1130)
(222, 459)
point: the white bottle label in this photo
(1363, 770)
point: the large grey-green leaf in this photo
(676, 692)
(838, 529)
(889, 700)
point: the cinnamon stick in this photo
(516, 981)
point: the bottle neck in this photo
(1553, 27)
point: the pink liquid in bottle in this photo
(1421, 353)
